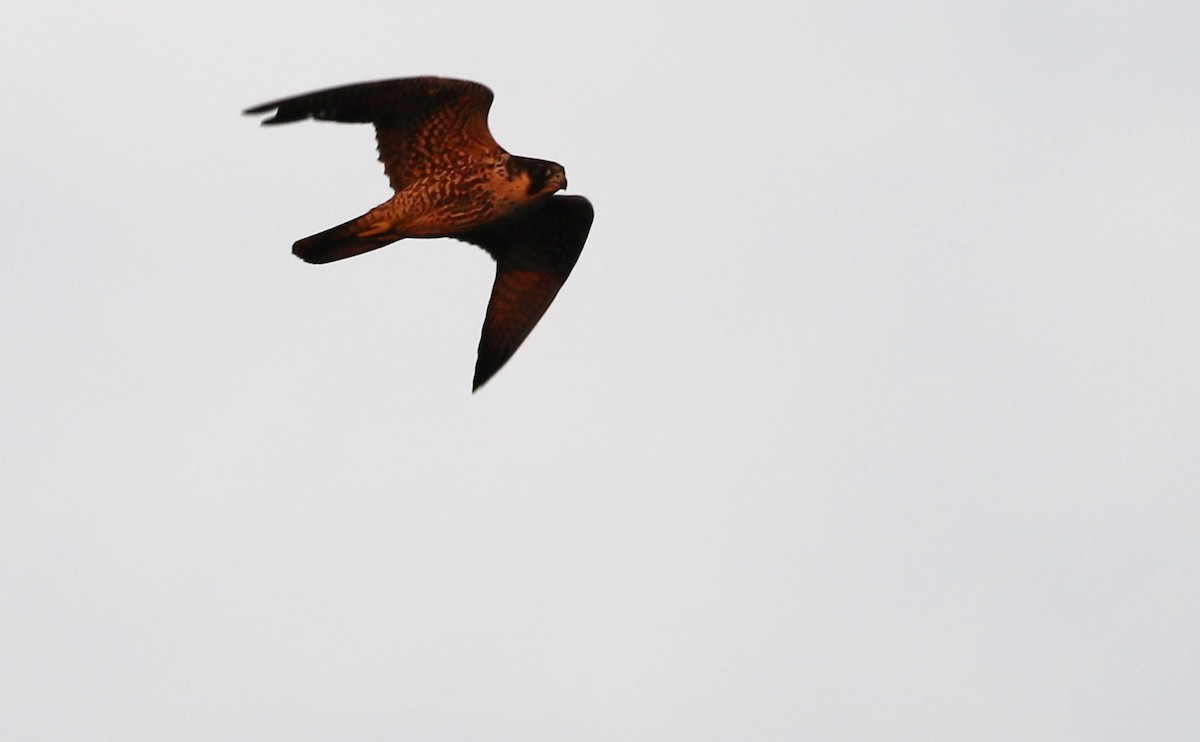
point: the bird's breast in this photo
(449, 203)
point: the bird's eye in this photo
(537, 179)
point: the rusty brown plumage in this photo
(451, 179)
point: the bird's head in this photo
(545, 177)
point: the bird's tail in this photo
(355, 237)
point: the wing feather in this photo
(535, 253)
(423, 125)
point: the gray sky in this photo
(869, 412)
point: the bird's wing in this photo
(422, 124)
(535, 252)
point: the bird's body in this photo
(451, 179)
(429, 207)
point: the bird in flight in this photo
(451, 179)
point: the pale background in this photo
(870, 410)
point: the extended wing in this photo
(535, 252)
(422, 124)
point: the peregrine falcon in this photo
(451, 179)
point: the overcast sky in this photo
(870, 411)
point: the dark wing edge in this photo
(535, 253)
(373, 102)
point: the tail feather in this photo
(343, 241)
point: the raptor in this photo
(451, 179)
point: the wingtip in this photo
(479, 380)
(256, 111)
(485, 368)
(271, 108)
